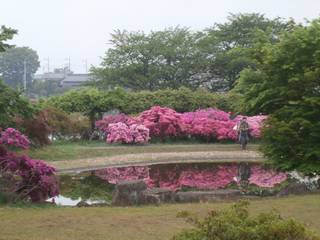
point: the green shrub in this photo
(236, 224)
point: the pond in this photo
(96, 187)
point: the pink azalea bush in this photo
(12, 137)
(266, 177)
(122, 133)
(121, 128)
(162, 122)
(103, 124)
(215, 123)
(139, 133)
(119, 133)
(255, 124)
(33, 179)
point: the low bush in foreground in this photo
(236, 224)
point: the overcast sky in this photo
(80, 29)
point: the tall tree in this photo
(228, 46)
(13, 63)
(286, 85)
(5, 35)
(161, 59)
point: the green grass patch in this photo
(143, 223)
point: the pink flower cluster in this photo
(12, 137)
(122, 133)
(216, 123)
(35, 179)
(175, 177)
(103, 124)
(162, 122)
(255, 124)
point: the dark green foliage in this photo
(12, 105)
(88, 101)
(93, 103)
(5, 35)
(287, 86)
(161, 59)
(237, 224)
(178, 57)
(231, 45)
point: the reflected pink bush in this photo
(266, 177)
(175, 177)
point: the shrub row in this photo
(91, 101)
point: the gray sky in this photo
(80, 28)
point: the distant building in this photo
(65, 78)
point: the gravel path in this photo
(156, 158)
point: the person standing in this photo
(243, 133)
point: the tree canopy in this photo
(178, 57)
(5, 35)
(12, 105)
(287, 86)
(12, 66)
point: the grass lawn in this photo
(141, 223)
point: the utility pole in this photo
(69, 64)
(48, 64)
(86, 65)
(25, 75)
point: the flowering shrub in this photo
(266, 178)
(140, 133)
(119, 133)
(12, 137)
(255, 124)
(103, 124)
(31, 179)
(215, 123)
(162, 122)
(122, 133)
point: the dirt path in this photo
(156, 158)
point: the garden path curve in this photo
(137, 159)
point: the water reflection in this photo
(66, 201)
(85, 187)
